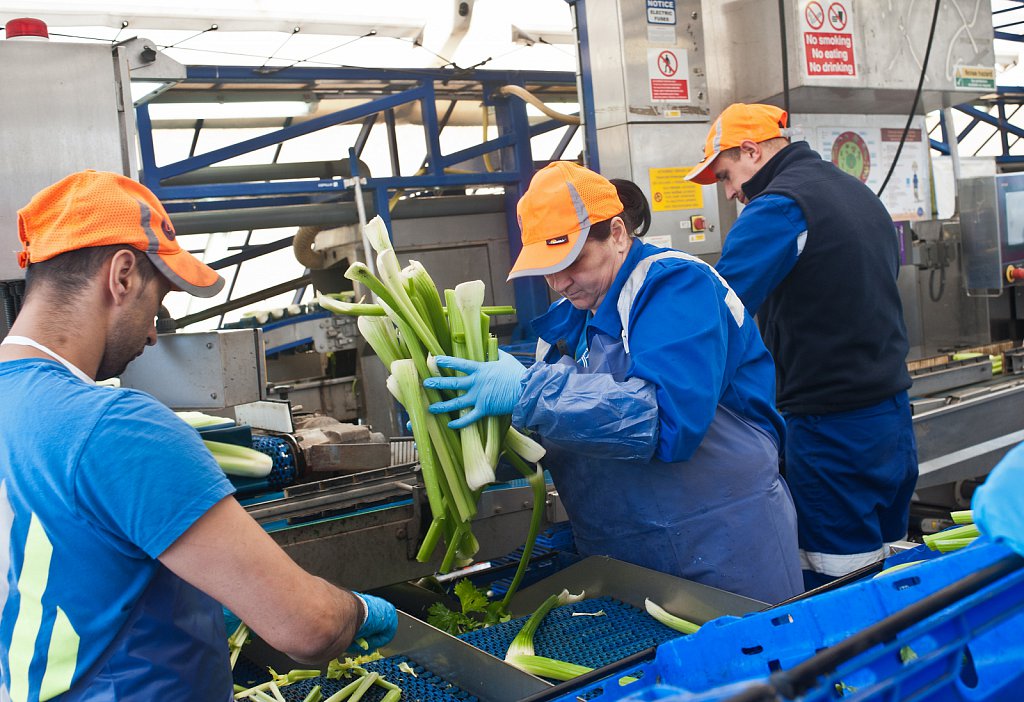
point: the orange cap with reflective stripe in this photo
(738, 123)
(555, 215)
(96, 208)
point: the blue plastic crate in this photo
(971, 650)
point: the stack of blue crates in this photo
(971, 650)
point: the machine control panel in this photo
(992, 226)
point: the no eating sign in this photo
(828, 38)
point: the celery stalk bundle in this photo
(407, 325)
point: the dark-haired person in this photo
(652, 392)
(814, 255)
(118, 532)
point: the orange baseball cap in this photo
(555, 215)
(96, 208)
(738, 123)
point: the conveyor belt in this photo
(593, 641)
(424, 686)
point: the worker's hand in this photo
(491, 389)
(378, 627)
(999, 503)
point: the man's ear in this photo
(751, 148)
(121, 279)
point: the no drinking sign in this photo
(828, 38)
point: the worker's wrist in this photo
(366, 609)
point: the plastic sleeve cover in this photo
(589, 413)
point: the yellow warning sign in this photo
(670, 192)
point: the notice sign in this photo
(669, 191)
(661, 11)
(669, 75)
(828, 38)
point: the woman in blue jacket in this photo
(652, 393)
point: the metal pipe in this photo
(330, 214)
(267, 171)
(242, 301)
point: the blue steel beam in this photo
(256, 143)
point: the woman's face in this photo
(587, 280)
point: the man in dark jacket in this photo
(815, 255)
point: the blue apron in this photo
(723, 518)
(173, 646)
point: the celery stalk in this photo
(964, 516)
(670, 620)
(523, 446)
(240, 460)
(377, 234)
(522, 644)
(536, 481)
(349, 308)
(547, 667)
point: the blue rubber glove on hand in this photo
(999, 503)
(378, 627)
(491, 389)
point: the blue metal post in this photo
(531, 293)
(586, 86)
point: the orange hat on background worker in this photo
(738, 123)
(555, 215)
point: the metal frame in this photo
(998, 111)
(383, 91)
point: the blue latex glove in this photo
(378, 627)
(491, 389)
(999, 503)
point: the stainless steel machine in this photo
(847, 72)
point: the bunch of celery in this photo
(956, 538)
(408, 325)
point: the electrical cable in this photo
(917, 98)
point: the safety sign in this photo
(671, 191)
(669, 72)
(828, 32)
(661, 11)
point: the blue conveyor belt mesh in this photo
(284, 471)
(591, 641)
(422, 687)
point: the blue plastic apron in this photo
(173, 646)
(724, 518)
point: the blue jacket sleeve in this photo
(680, 328)
(590, 414)
(762, 247)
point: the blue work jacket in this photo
(664, 446)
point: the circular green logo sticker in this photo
(850, 153)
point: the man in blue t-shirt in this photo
(814, 255)
(119, 537)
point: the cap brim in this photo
(188, 273)
(702, 174)
(541, 258)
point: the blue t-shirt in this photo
(95, 484)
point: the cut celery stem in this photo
(522, 644)
(536, 481)
(670, 620)
(964, 516)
